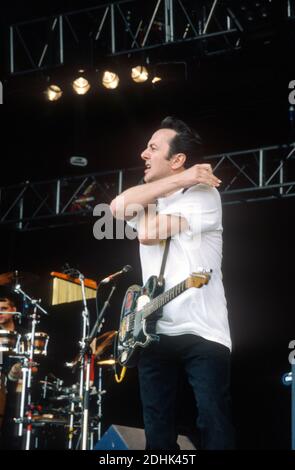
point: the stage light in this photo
(287, 378)
(110, 80)
(78, 161)
(139, 74)
(156, 79)
(53, 92)
(81, 86)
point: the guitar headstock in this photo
(198, 279)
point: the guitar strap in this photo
(152, 322)
(165, 254)
(151, 326)
(164, 260)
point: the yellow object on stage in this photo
(67, 289)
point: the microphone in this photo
(108, 279)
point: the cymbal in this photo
(103, 341)
(15, 277)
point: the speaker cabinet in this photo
(127, 438)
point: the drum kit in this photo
(49, 404)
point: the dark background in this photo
(235, 101)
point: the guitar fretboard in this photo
(163, 299)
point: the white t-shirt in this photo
(201, 311)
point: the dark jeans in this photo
(207, 367)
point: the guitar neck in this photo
(164, 298)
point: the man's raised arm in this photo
(148, 193)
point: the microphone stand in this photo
(84, 364)
(27, 373)
(86, 353)
(96, 328)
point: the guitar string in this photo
(157, 303)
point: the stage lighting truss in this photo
(250, 15)
(128, 27)
(265, 173)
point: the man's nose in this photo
(144, 154)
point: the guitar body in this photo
(135, 332)
(142, 307)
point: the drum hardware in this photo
(33, 302)
(71, 427)
(68, 287)
(40, 343)
(66, 406)
(18, 314)
(83, 361)
(65, 290)
(52, 386)
(27, 365)
(42, 420)
(9, 342)
(75, 399)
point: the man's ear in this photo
(178, 161)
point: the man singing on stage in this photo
(180, 200)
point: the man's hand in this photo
(199, 174)
(145, 194)
(15, 372)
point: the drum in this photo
(9, 342)
(40, 343)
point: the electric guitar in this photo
(140, 311)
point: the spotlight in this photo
(53, 92)
(110, 80)
(156, 79)
(81, 86)
(139, 74)
(287, 378)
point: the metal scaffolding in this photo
(128, 27)
(264, 173)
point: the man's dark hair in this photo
(6, 295)
(185, 141)
(9, 300)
